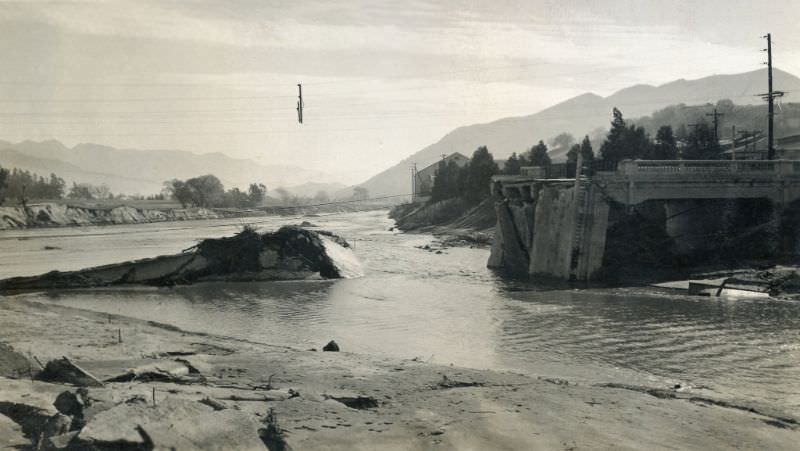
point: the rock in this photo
(15, 365)
(173, 424)
(11, 435)
(64, 370)
(58, 424)
(61, 441)
(69, 403)
(332, 346)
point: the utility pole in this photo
(770, 98)
(733, 142)
(300, 102)
(414, 182)
(716, 123)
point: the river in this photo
(444, 308)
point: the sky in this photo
(381, 79)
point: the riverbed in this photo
(444, 308)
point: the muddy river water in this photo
(445, 308)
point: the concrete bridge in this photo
(559, 227)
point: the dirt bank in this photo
(62, 215)
(453, 220)
(162, 387)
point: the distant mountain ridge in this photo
(133, 171)
(582, 115)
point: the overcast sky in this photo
(381, 79)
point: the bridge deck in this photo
(637, 181)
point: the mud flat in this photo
(118, 383)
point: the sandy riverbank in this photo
(327, 400)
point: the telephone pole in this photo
(716, 123)
(770, 98)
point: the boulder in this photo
(332, 346)
(69, 403)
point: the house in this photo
(423, 179)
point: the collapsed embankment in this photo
(291, 253)
(110, 382)
(454, 219)
(61, 215)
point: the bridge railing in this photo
(777, 167)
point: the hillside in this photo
(582, 115)
(143, 171)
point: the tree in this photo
(256, 193)
(448, 182)
(623, 142)
(613, 148)
(701, 144)
(513, 165)
(101, 191)
(479, 173)
(666, 147)
(3, 179)
(586, 150)
(538, 156)
(206, 190)
(180, 191)
(81, 191)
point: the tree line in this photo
(19, 184)
(622, 141)
(207, 191)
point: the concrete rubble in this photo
(289, 253)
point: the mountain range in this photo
(134, 171)
(582, 115)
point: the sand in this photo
(219, 391)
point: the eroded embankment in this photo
(454, 219)
(59, 215)
(112, 382)
(290, 253)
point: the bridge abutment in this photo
(647, 215)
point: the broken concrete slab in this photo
(62, 441)
(290, 253)
(65, 370)
(191, 425)
(15, 364)
(117, 425)
(11, 435)
(144, 370)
